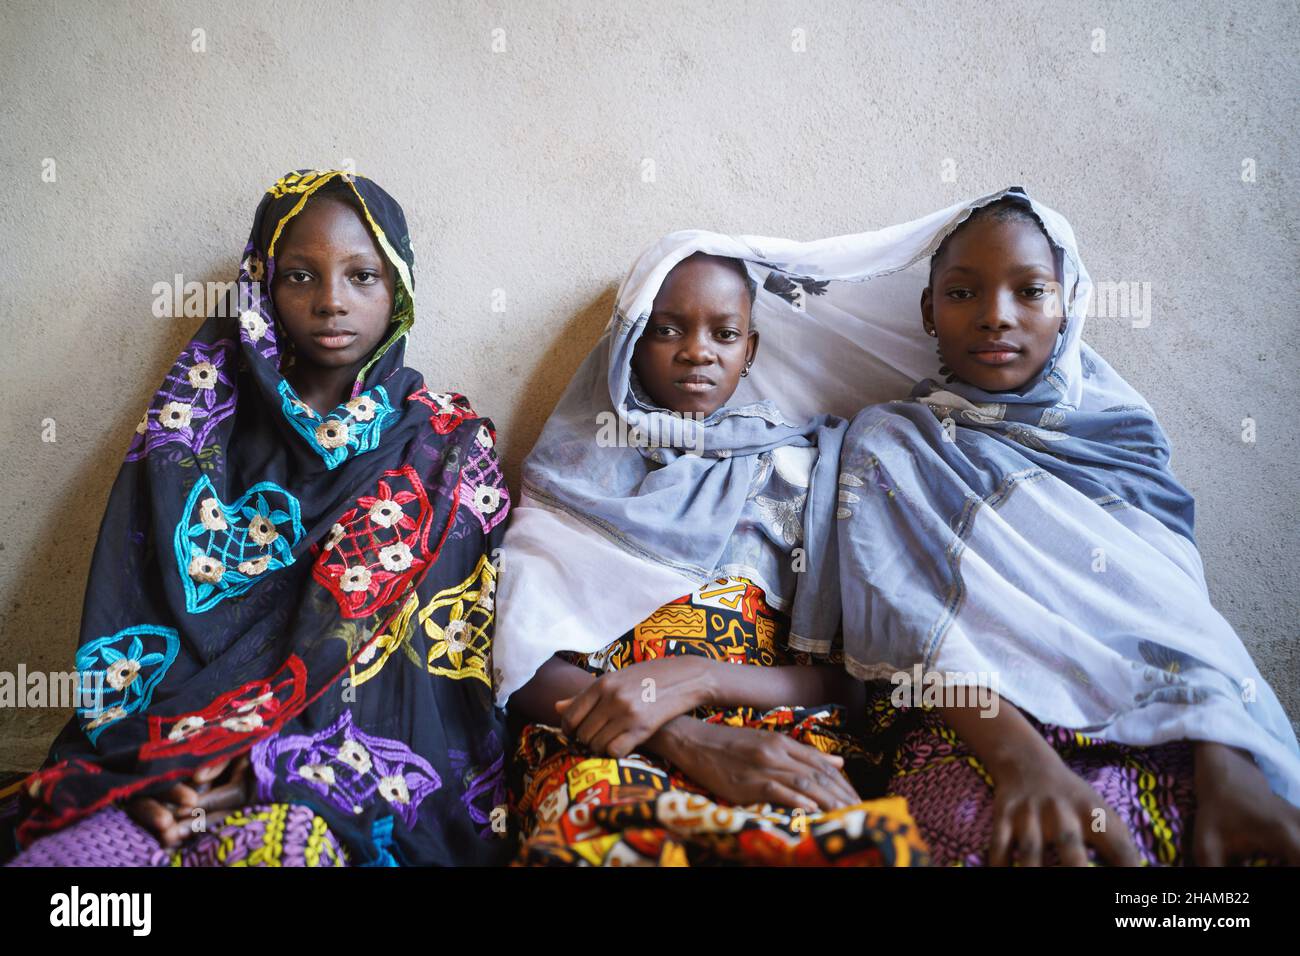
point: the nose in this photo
(999, 312)
(329, 297)
(697, 349)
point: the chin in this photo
(1009, 383)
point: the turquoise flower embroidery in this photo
(223, 550)
(124, 679)
(352, 428)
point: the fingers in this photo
(780, 794)
(818, 786)
(157, 819)
(1003, 835)
(1207, 846)
(181, 794)
(577, 708)
(612, 729)
(1067, 834)
(228, 796)
(828, 772)
(1115, 844)
(625, 743)
(209, 772)
(591, 725)
(1029, 836)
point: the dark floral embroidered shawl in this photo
(317, 590)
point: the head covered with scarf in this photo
(311, 589)
(1036, 541)
(627, 506)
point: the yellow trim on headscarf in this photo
(404, 298)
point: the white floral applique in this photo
(175, 415)
(396, 557)
(356, 578)
(362, 408)
(253, 325)
(211, 516)
(203, 375)
(386, 512)
(847, 496)
(205, 569)
(332, 434)
(486, 499)
(786, 515)
(254, 567)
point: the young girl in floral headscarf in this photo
(291, 600)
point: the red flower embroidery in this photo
(449, 409)
(42, 784)
(378, 546)
(246, 713)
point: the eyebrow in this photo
(720, 317)
(293, 253)
(1016, 269)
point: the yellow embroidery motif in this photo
(458, 621)
(301, 182)
(397, 634)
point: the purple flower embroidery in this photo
(196, 396)
(483, 488)
(349, 768)
(485, 786)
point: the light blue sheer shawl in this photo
(1038, 542)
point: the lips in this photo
(334, 338)
(995, 353)
(696, 383)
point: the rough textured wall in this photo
(523, 170)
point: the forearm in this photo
(672, 739)
(795, 685)
(1214, 764)
(1000, 736)
(555, 680)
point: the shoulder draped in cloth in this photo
(1038, 542)
(626, 506)
(315, 590)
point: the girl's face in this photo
(333, 288)
(994, 303)
(697, 340)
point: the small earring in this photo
(745, 371)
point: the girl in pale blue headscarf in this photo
(1015, 527)
(673, 525)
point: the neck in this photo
(323, 389)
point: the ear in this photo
(927, 311)
(751, 350)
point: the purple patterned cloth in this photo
(950, 794)
(276, 834)
(198, 393)
(349, 768)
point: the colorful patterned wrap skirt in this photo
(272, 834)
(574, 808)
(950, 794)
